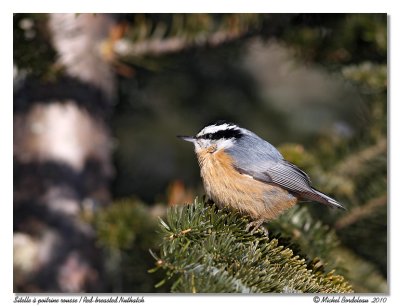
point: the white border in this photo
(210, 6)
(294, 6)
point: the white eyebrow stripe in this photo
(215, 128)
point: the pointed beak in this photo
(187, 138)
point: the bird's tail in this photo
(318, 196)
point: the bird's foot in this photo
(257, 225)
(207, 200)
(210, 202)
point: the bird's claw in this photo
(257, 225)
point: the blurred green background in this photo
(314, 85)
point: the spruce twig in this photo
(354, 163)
(361, 212)
(217, 254)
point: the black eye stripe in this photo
(226, 134)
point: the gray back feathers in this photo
(256, 157)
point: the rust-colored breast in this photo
(229, 188)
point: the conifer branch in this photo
(354, 163)
(361, 212)
(159, 46)
(362, 274)
(156, 37)
(209, 250)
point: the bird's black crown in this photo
(228, 130)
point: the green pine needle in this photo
(209, 250)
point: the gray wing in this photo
(256, 157)
(262, 161)
(298, 182)
(281, 173)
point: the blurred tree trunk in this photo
(62, 160)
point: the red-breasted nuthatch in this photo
(243, 172)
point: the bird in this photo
(245, 173)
